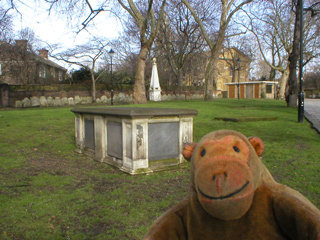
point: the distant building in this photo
(252, 89)
(233, 66)
(19, 66)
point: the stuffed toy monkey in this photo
(233, 196)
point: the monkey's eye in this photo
(203, 152)
(236, 149)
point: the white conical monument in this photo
(154, 90)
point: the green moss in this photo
(163, 162)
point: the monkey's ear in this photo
(257, 144)
(188, 150)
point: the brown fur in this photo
(217, 208)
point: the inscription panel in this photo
(163, 140)
(89, 141)
(114, 139)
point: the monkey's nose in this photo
(223, 175)
(219, 180)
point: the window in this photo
(60, 75)
(53, 72)
(42, 71)
(269, 88)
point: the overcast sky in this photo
(55, 29)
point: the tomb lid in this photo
(136, 112)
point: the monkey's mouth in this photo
(226, 196)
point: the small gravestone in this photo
(70, 101)
(83, 100)
(18, 104)
(164, 97)
(26, 103)
(57, 102)
(121, 97)
(88, 100)
(104, 99)
(43, 101)
(64, 101)
(181, 97)
(77, 100)
(35, 102)
(98, 100)
(50, 101)
(197, 96)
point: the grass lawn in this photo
(49, 192)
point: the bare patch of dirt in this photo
(302, 146)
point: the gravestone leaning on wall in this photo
(56, 95)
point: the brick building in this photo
(20, 66)
(233, 66)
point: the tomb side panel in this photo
(163, 140)
(89, 141)
(114, 139)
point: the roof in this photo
(15, 50)
(48, 62)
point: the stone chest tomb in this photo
(136, 140)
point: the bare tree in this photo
(271, 24)
(236, 53)
(34, 43)
(147, 17)
(86, 56)
(179, 36)
(6, 26)
(293, 85)
(228, 9)
(312, 77)
(260, 69)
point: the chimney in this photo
(22, 44)
(43, 53)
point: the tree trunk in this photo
(180, 77)
(93, 87)
(212, 67)
(139, 89)
(211, 71)
(283, 84)
(292, 86)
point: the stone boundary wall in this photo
(62, 95)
